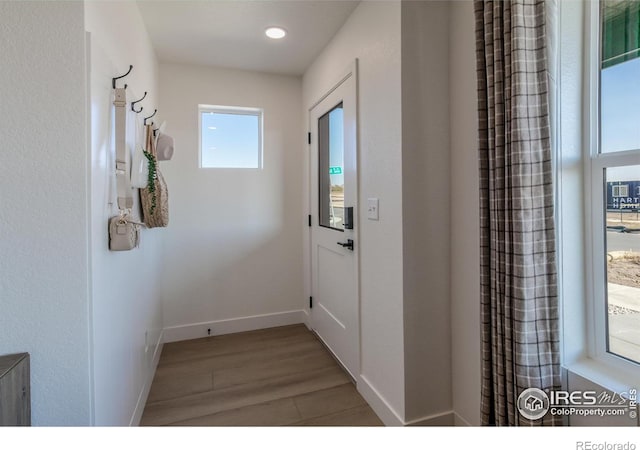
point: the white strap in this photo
(125, 198)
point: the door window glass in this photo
(331, 168)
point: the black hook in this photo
(147, 118)
(113, 80)
(155, 131)
(137, 101)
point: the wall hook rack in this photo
(147, 118)
(113, 80)
(137, 101)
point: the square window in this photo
(230, 137)
(620, 190)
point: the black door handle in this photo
(348, 244)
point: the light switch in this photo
(372, 209)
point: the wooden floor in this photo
(278, 376)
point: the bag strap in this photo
(150, 142)
(123, 184)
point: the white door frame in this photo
(349, 72)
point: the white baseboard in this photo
(390, 416)
(444, 419)
(144, 392)
(459, 421)
(306, 318)
(235, 325)
(379, 405)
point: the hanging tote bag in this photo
(155, 196)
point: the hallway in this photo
(237, 252)
(277, 376)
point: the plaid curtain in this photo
(519, 303)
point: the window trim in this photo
(595, 164)
(239, 110)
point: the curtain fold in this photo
(519, 303)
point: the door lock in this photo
(348, 244)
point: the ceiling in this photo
(230, 34)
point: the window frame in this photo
(595, 164)
(238, 110)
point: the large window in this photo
(230, 137)
(615, 177)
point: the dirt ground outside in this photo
(624, 268)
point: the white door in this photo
(334, 221)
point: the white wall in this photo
(372, 34)
(43, 221)
(233, 247)
(465, 225)
(426, 200)
(126, 305)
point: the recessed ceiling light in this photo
(275, 32)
